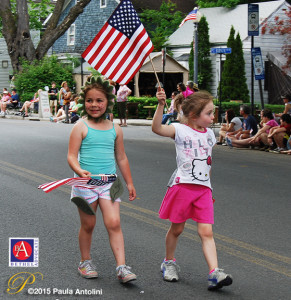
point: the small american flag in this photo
(89, 183)
(191, 16)
(121, 46)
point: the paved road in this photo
(252, 220)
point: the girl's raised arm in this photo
(157, 127)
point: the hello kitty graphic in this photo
(201, 168)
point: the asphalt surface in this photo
(252, 221)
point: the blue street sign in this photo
(258, 63)
(253, 19)
(221, 50)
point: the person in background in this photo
(260, 139)
(281, 134)
(53, 93)
(181, 87)
(6, 99)
(122, 94)
(249, 126)
(171, 109)
(30, 104)
(67, 100)
(233, 123)
(191, 88)
(62, 92)
(287, 102)
(5, 90)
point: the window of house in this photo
(71, 35)
(102, 3)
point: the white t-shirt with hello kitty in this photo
(193, 155)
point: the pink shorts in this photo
(188, 201)
(92, 195)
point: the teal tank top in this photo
(96, 154)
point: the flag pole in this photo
(157, 77)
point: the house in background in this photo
(83, 31)
(5, 66)
(85, 27)
(144, 81)
(220, 20)
(6, 70)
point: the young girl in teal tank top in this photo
(95, 146)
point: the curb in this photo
(133, 122)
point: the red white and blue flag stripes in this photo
(191, 16)
(121, 46)
(89, 183)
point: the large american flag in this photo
(191, 16)
(121, 46)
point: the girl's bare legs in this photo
(111, 218)
(172, 238)
(208, 245)
(86, 230)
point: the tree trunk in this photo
(17, 34)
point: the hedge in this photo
(146, 101)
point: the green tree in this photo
(204, 62)
(233, 79)
(225, 3)
(17, 22)
(242, 92)
(40, 73)
(160, 24)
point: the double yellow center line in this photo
(247, 252)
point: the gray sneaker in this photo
(87, 269)
(170, 270)
(124, 274)
(218, 279)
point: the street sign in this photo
(221, 50)
(258, 63)
(253, 19)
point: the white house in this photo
(220, 20)
(5, 66)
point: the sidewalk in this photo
(130, 122)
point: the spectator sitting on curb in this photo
(261, 137)
(6, 99)
(61, 115)
(5, 90)
(170, 111)
(281, 134)
(27, 104)
(14, 100)
(74, 109)
(249, 127)
(233, 123)
(287, 101)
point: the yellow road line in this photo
(225, 249)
